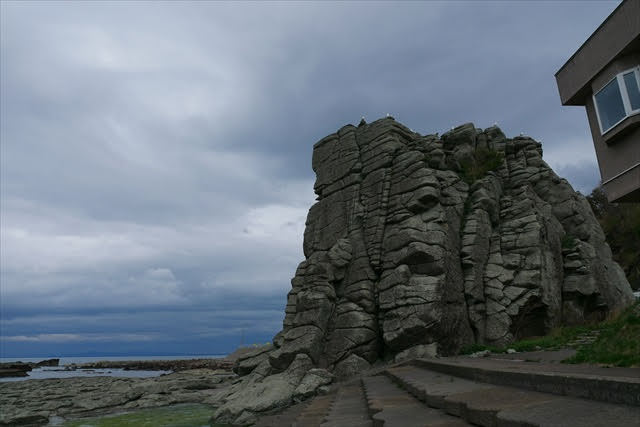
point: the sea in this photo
(60, 372)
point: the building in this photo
(604, 76)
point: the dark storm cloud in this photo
(155, 157)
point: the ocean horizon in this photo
(46, 372)
(68, 360)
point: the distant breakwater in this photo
(21, 369)
(158, 365)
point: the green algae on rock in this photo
(185, 415)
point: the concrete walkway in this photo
(489, 392)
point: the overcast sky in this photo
(156, 157)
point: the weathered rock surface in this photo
(425, 244)
(33, 402)
(261, 392)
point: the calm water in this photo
(59, 372)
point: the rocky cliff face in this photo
(420, 245)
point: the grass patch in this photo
(474, 348)
(617, 344)
(558, 338)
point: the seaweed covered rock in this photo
(421, 245)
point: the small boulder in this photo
(312, 381)
(417, 352)
(483, 353)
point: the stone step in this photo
(285, 418)
(584, 339)
(391, 406)
(433, 388)
(306, 414)
(612, 385)
(490, 405)
(315, 412)
(570, 411)
(349, 408)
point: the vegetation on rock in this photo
(621, 224)
(483, 160)
(568, 242)
(615, 341)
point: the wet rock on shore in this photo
(158, 365)
(34, 402)
(20, 369)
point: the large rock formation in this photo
(420, 245)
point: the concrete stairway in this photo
(436, 393)
(344, 406)
(489, 405)
(392, 406)
(612, 385)
(316, 411)
(349, 408)
(285, 418)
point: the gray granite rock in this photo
(424, 244)
(416, 352)
(250, 360)
(350, 366)
(271, 392)
(312, 381)
(403, 250)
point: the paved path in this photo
(457, 392)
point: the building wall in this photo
(616, 156)
(610, 71)
(615, 34)
(613, 48)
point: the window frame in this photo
(624, 94)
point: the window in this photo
(631, 82)
(618, 99)
(610, 105)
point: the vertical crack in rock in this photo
(420, 245)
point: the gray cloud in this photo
(155, 159)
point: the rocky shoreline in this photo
(21, 369)
(37, 402)
(157, 365)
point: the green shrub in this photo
(473, 348)
(484, 160)
(617, 342)
(621, 225)
(568, 241)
